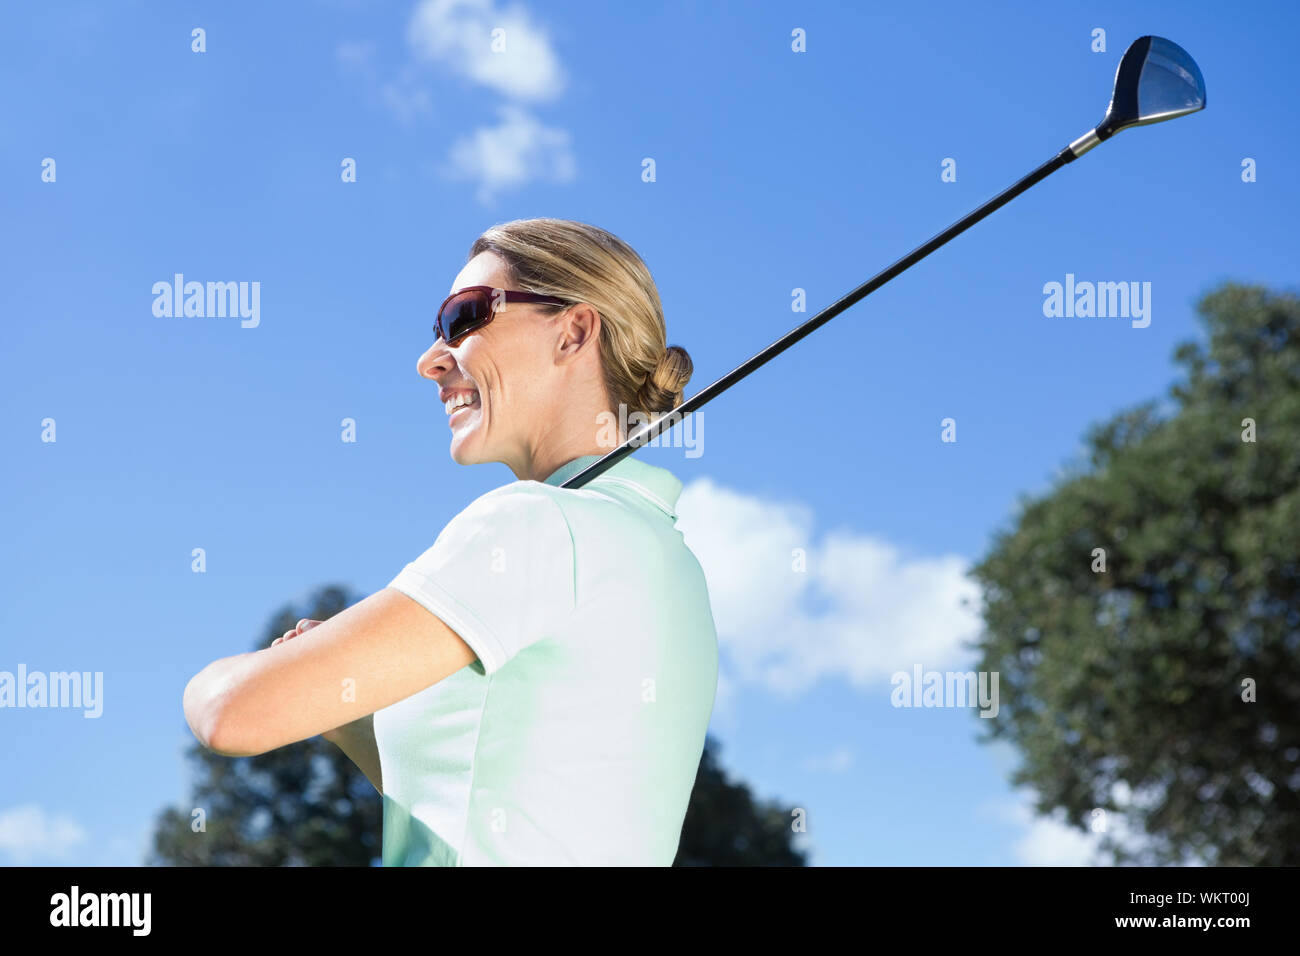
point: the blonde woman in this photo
(534, 689)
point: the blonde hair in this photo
(579, 262)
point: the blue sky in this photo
(775, 171)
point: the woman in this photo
(536, 686)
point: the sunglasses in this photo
(473, 307)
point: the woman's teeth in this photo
(459, 401)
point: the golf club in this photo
(1156, 80)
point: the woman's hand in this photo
(338, 733)
(305, 624)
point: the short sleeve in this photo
(501, 573)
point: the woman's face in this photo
(506, 371)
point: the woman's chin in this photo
(460, 453)
(465, 450)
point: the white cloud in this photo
(406, 98)
(1050, 841)
(837, 761)
(405, 94)
(515, 151)
(499, 48)
(458, 34)
(28, 833)
(862, 610)
(1041, 840)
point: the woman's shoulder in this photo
(601, 511)
(519, 502)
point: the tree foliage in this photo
(308, 805)
(302, 805)
(1129, 688)
(726, 826)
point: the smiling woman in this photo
(498, 692)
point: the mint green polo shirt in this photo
(575, 737)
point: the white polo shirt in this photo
(576, 735)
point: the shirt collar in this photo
(657, 485)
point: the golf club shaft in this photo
(648, 432)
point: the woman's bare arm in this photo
(381, 650)
(355, 739)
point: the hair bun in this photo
(673, 370)
(662, 391)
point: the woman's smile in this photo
(459, 402)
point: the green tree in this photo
(302, 805)
(308, 805)
(725, 826)
(1166, 687)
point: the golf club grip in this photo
(650, 431)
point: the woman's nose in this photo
(436, 362)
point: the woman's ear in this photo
(579, 331)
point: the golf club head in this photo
(1156, 81)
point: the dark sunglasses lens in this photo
(463, 315)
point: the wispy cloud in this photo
(502, 49)
(30, 834)
(406, 97)
(1041, 840)
(499, 48)
(517, 150)
(405, 94)
(1046, 841)
(837, 761)
(859, 610)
